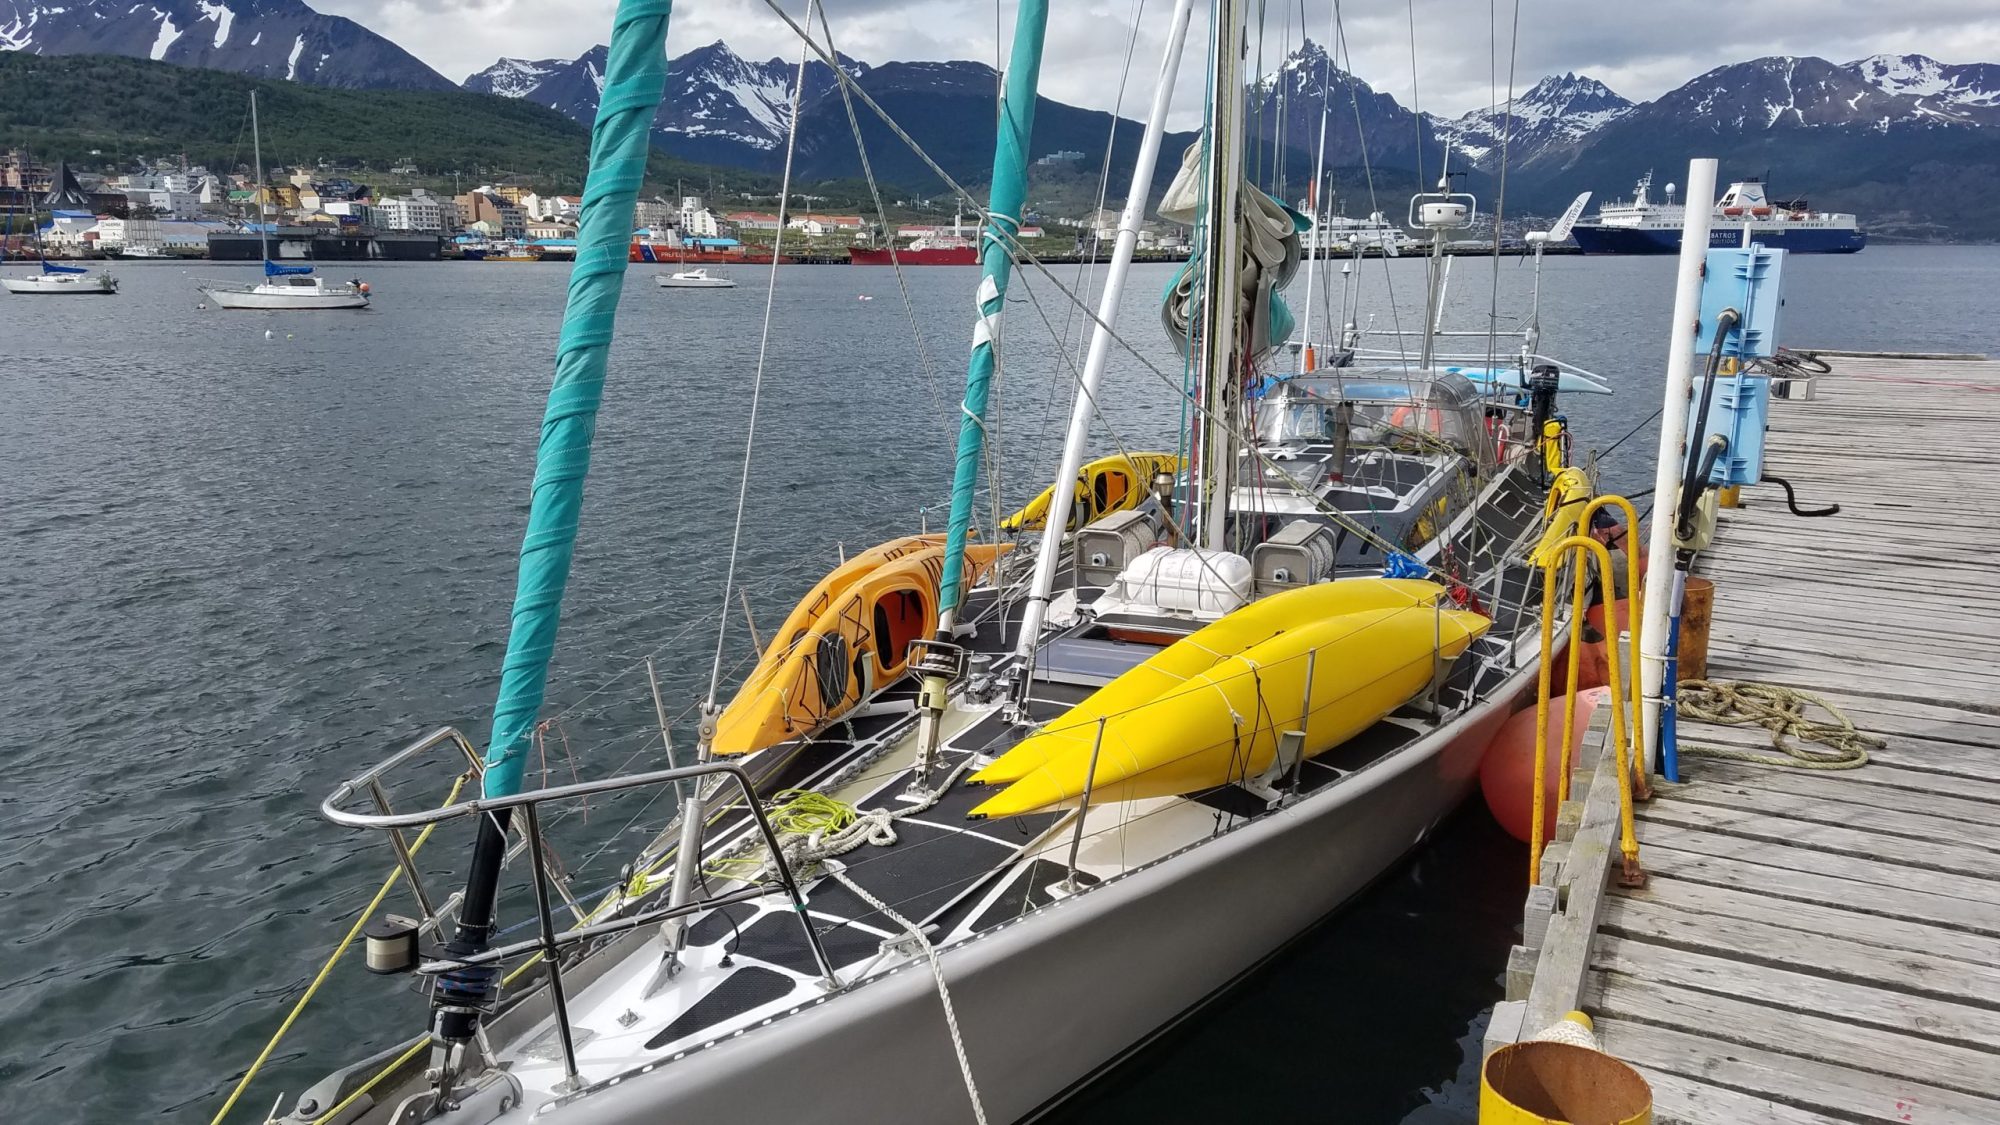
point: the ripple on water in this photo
(233, 571)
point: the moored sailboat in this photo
(1238, 688)
(284, 286)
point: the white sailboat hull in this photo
(97, 284)
(1047, 1001)
(254, 299)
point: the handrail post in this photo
(403, 857)
(827, 975)
(1083, 810)
(557, 995)
(1305, 724)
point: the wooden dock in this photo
(1817, 947)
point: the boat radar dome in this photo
(1670, 192)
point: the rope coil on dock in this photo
(1782, 711)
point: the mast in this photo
(637, 71)
(1010, 189)
(257, 153)
(1095, 361)
(1317, 244)
(1220, 291)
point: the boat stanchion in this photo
(551, 955)
(1070, 885)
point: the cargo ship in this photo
(664, 253)
(927, 250)
(1744, 214)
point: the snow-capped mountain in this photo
(1557, 114)
(718, 105)
(1287, 108)
(1967, 92)
(265, 38)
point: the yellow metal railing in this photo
(1624, 734)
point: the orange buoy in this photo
(1507, 771)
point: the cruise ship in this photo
(1642, 226)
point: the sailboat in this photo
(283, 287)
(54, 278)
(987, 815)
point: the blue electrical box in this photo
(1739, 411)
(1745, 279)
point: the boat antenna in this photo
(941, 659)
(637, 70)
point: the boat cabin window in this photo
(300, 282)
(1393, 410)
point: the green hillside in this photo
(98, 110)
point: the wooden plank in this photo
(1678, 884)
(1682, 1101)
(1932, 774)
(1726, 1018)
(1849, 787)
(1786, 991)
(1823, 877)
(1722, 792)
(1565, 954)
(1792, 1080)
(1832, 955)
(1807, 835)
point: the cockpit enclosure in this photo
(1371, 409)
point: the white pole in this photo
(1319, 206)
(1672, 460)
(1095, 360)
(1220, 292)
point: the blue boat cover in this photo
(273, 269)
(51, 267)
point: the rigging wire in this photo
(932, 381)
(763, 353)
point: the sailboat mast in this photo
(1221, 297)
(257, 155)
(1010, 191)
(1095, 361)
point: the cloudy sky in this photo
(1639, 49)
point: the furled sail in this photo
(1270, 249)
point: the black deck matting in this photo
(720, 923)
(741, 991)
(777, 939)
(1026, 891)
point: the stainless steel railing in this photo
(550, 942)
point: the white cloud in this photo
(1640, 50)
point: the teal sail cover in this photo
(1010, 190)
(634, 77)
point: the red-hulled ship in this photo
(660, 252)
(929, 250)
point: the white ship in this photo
(1744, 214)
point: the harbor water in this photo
(244, 555)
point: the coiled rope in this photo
(1782, 711)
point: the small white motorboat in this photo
(696, 278)
(55, 279)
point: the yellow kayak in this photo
(848, 636)
(1106, 485)
(1202, 650)
(1223, 725)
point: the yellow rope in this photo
(326, 970)
(415, 1048)
(1782, 711)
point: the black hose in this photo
(1690, 495)
(1792, 500)
(1695, 479)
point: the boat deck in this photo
(1817, 946)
